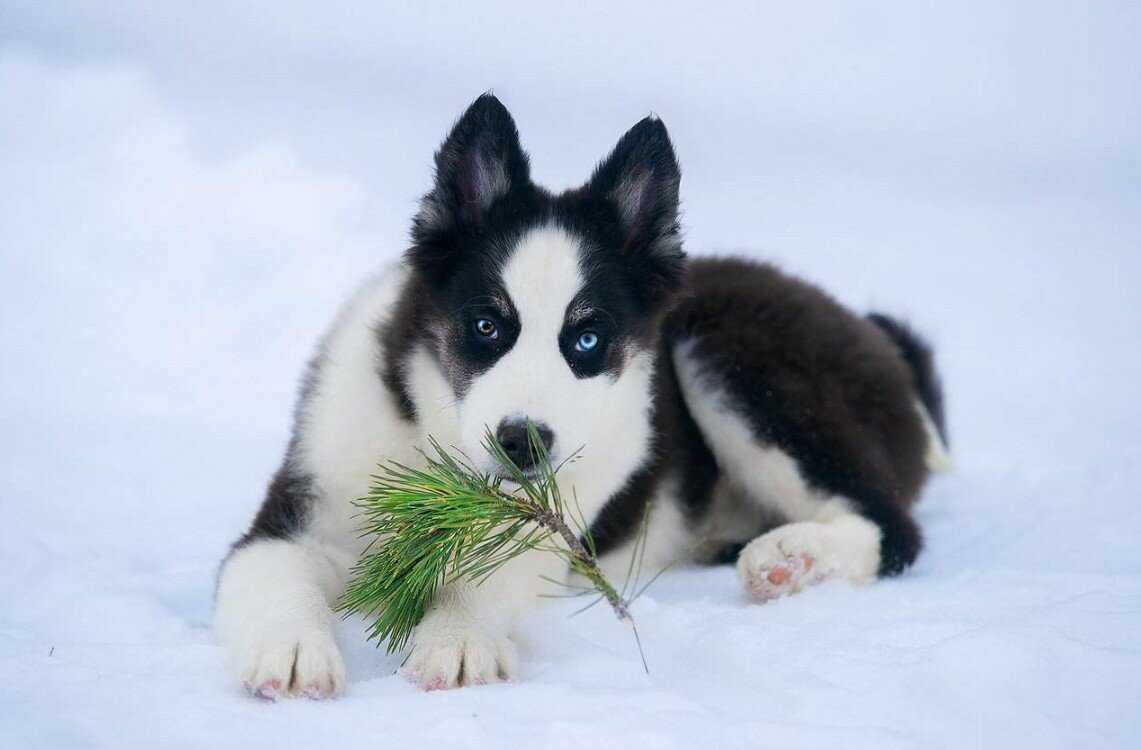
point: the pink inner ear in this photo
(630, 195)
(482, 179)
(469, 187)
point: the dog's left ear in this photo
(640, 180)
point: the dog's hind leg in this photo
(823, 536)
(811, 414)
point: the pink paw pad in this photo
(778, 575)
(437, 683)
(269, 690)
(779, 580)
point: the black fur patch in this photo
(815, 381)
(622, 515)
(286, 507)
(291, 492)
(397, 334)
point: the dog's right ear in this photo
(480, 162)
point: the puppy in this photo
(756, 419)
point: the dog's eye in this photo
(486, 328)
(587, 340)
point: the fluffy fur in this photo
(745, 409)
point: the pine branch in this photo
(448, 522)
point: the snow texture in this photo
(187, 191)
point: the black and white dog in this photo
(759, 419)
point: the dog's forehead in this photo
(542, 276)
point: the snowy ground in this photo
(185, 197)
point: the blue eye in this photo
(586, 341)
(486, 328)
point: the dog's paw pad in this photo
(779, 575)
(774, 566)
(783, 578)
(269, 690)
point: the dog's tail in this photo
(919, 357)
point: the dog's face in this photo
(544, 308)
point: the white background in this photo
(188, 190)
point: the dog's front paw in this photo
(448, 658)
(308, 665)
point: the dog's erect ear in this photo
(478, 163)
(640, 179)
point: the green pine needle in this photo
(447, 522)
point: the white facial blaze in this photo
(532, 380)
(608, 418)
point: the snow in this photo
(188, 192)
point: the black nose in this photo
(512, 437)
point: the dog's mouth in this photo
(508, 477)
(509, 474)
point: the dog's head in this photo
(545, 308)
